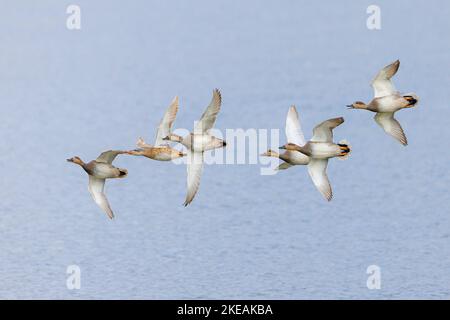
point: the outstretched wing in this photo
(96, 188)
(109, 156)
(194, 173)
(324, 131)
(294, 131)
(391, 126)
(209, 116)
(166, 123)
(382, 83)
(317, 169)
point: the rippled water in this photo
(66, 93)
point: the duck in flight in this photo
(161, 150)
(197, 142)
(99, 170)
(294, 134)
(319, 149)
(387, 101)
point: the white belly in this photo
(204, 142)
(104, 171)
(390, 103)
(324, 150)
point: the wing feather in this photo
(96, 188)
(166, 122)
(382, 83)
(324, 131)
(294, 131)
(391, 126)
(194, 173)
(109, 156)
(209, 116)
(317, 169)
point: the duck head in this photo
(357, 105)
(76, 160)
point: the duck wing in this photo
(209, 116)
(109, 156)
(166, 123)
(324, 131)
(382, 83)
(96, 189)
(391, 126)
(294, 131)
(194, 173)
(142, 144)
(317, 169)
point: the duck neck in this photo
(84, 165)
(81, 163)
(303, 150)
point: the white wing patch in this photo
(166, 123)
(323, 132)
(108, 156)
(96, 188)
(194, 173)
(209, 116)
(294, 131)
(391, 126)
(317, 169)
(382, 83)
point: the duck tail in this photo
(346, 149)
(412, 99)
(122, 173)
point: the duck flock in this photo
(297, 151)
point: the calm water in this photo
(68, 93)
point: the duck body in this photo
(160, 153)
(294, 135)
(392, 103)
(319, 149)
(294, 158)
(197, 142)
(103, 170)
(387, 101)
(98, 171)
(290, 158)
(202, 142)
(322, 150)
(161, 150)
